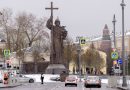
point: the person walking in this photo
(42, 78)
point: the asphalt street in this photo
(55, 86)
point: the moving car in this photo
(24, 79)
(92, 81)
(71, 80)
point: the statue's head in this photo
(57, 22)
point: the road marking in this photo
(57, 86)
(83, 86)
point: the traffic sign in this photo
(8, 63)
(113, 49)
(117, 68)
(117, 71)
(6, 52)
(114, 55)
(119, 61)
(82, 41)
(114, 62)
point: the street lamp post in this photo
(114, 22)
(124, 84)
(68, 54)
(79, 58)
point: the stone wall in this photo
(29, 68)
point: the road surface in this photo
(55, 86)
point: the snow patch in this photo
(46, 77)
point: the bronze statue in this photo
(58, 34)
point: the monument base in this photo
(55, 69)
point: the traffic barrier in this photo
(112, 81)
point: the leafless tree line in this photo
(23, 30)
(93, 59)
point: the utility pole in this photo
(124, 84)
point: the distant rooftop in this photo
(106, 27)
(97, 39)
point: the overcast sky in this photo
(81, 17)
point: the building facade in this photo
(103, 44)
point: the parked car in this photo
(92, 81)
(71, 80)
(24, 79)
(55, 78)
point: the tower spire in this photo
(106, 27)
(106, 34)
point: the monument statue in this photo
(58, 35)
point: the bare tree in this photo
(32, 27)
(93, 59)
(33, 34)
(69, 52)
(5, 22)
(21, 28)
(36, 57)
(38, 49)
(22, 31)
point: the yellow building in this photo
(72, 64)
(127, 44)
(103, 45)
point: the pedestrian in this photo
(42, 78)
(6, 78)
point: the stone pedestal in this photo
(55, 69)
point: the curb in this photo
(10, 86)
(123, 88)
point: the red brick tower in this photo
(106, 46)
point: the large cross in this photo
(52, 39)
(51, 8)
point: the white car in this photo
(71, 80)
(24, 79)
(1, 81)
(92, 81)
